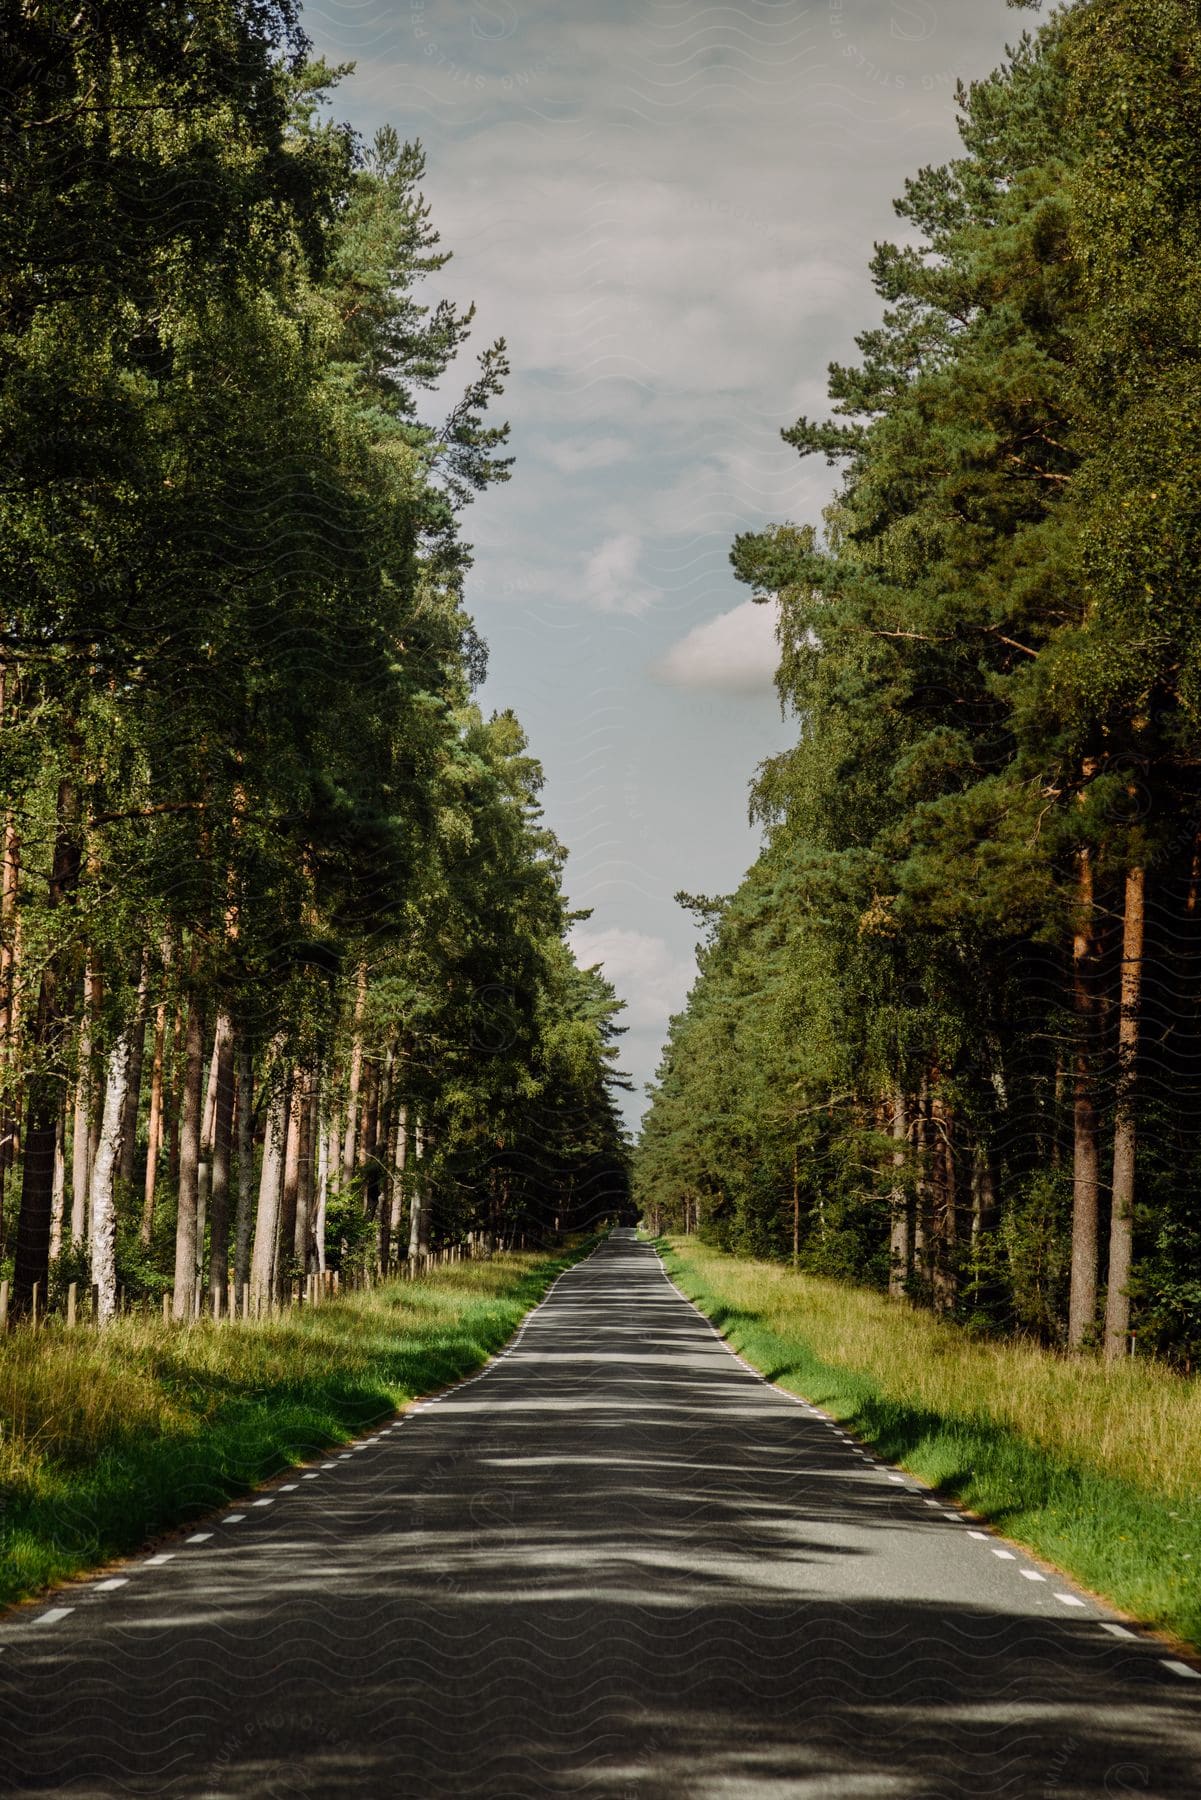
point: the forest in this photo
(945, 1038)
(285, 986)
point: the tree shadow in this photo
(616, 1566)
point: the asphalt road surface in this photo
(617, 1564)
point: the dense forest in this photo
(284, 975)
(945, 1038)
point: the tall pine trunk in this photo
(191, 1100)
(1121, 1217)
(244, 1221)
(223, 1121)
(266, 1226)
(356, 1074)
(45, 1086)
(133, 1089)
(85, 1099)
(287, 1205)
(1082, 1306)
(326, 1134)
(945, 1269)
(302, 1240)
(390, 1243)
(900, 1248)
(154, 1124)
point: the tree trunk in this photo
(923, 1211)
(191, 1100)
(900, 1243)
(81, 1136)
(419, 1231)
(291, 1173)
(390, 1238)
(356, 1072)
(104, 1210)
(302, 1240)
(208, 1126)
(173, 1097)
(945, 1271)
(133, 1089)
(245, 1212)
(1121, 1218)
(60, 1186)
(266, 1227)
(223, 1121)
(154, 1125)
(368, 1167)
(327, 1132)
(45, 1085)
(984, 1194)
(1082, 1306)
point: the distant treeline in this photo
(946, 1036)
(283, 967)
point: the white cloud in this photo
(611, 579)
(576, 455)
(648, 977)
(736, 653)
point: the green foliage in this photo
(991, 653)
(238, 755)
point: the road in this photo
(615, 1564)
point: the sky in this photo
(667, 209)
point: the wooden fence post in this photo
(33, 1313)
(71, 1291)
(3, 1306)
(166, 1309)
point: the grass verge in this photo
(107, 1439)
(1096, 1469)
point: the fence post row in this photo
(306, 1290)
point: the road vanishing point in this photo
(617, 1563)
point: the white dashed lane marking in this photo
(1179, 1668)
(1033, 1575)
(1069, 1599)
(156, 1562)
(199, 1537)
(233, 1518)
(114, 1581)
(1116, 1630)
(54, 1614)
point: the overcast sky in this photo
(667, 209)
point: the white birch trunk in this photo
(104, 1211)
(58, 1194)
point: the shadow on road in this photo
(617, 1566)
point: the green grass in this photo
(1096, 1469)
(109, 1438)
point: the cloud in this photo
(647, 975)
(611, 580)
(736, 653)
(576, 455)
